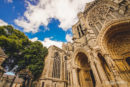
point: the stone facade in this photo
(3, 56)
(7, 80)
(100, 53)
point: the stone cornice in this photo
(54, 79)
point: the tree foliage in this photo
(33, 58)
(21, 51)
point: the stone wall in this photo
(99, 55)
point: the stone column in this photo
(26, 82)
(75, 78)
(102, 75)
(1, 75)
(97, 79)
(30, 82)
(5, 82)
(70, 79)
(113, 69)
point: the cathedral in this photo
(100, 53)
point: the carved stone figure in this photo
(100, 53)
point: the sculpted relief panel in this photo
(96, 14)
(104, 12)
(96, 17)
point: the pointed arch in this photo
(56, 65)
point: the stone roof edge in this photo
(90, 6)
(3, 53)
(86, 10)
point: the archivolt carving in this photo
(97, 13)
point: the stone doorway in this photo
(115, 41)
(84, 72)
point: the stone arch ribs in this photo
(111, 34)
(79, 50)
(114, 40)
(100, 12)
(89, 63)
(84, 72)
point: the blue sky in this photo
(49, 21)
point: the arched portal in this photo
(115, 40)
(84, 72)
(118, 41)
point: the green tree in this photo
(21, 51)
(13, 42)
(33, 56)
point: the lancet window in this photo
(56, 66)
(80, 30)
(66, 72)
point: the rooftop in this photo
(2, 54)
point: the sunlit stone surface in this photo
(100, 53)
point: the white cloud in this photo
(2, 23)
(34, 39)
(69, 38)
(47, 42)
(10, 1)
(63, 10)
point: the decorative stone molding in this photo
(101, 40)
(94, 45)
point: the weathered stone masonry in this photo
(100, 53)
